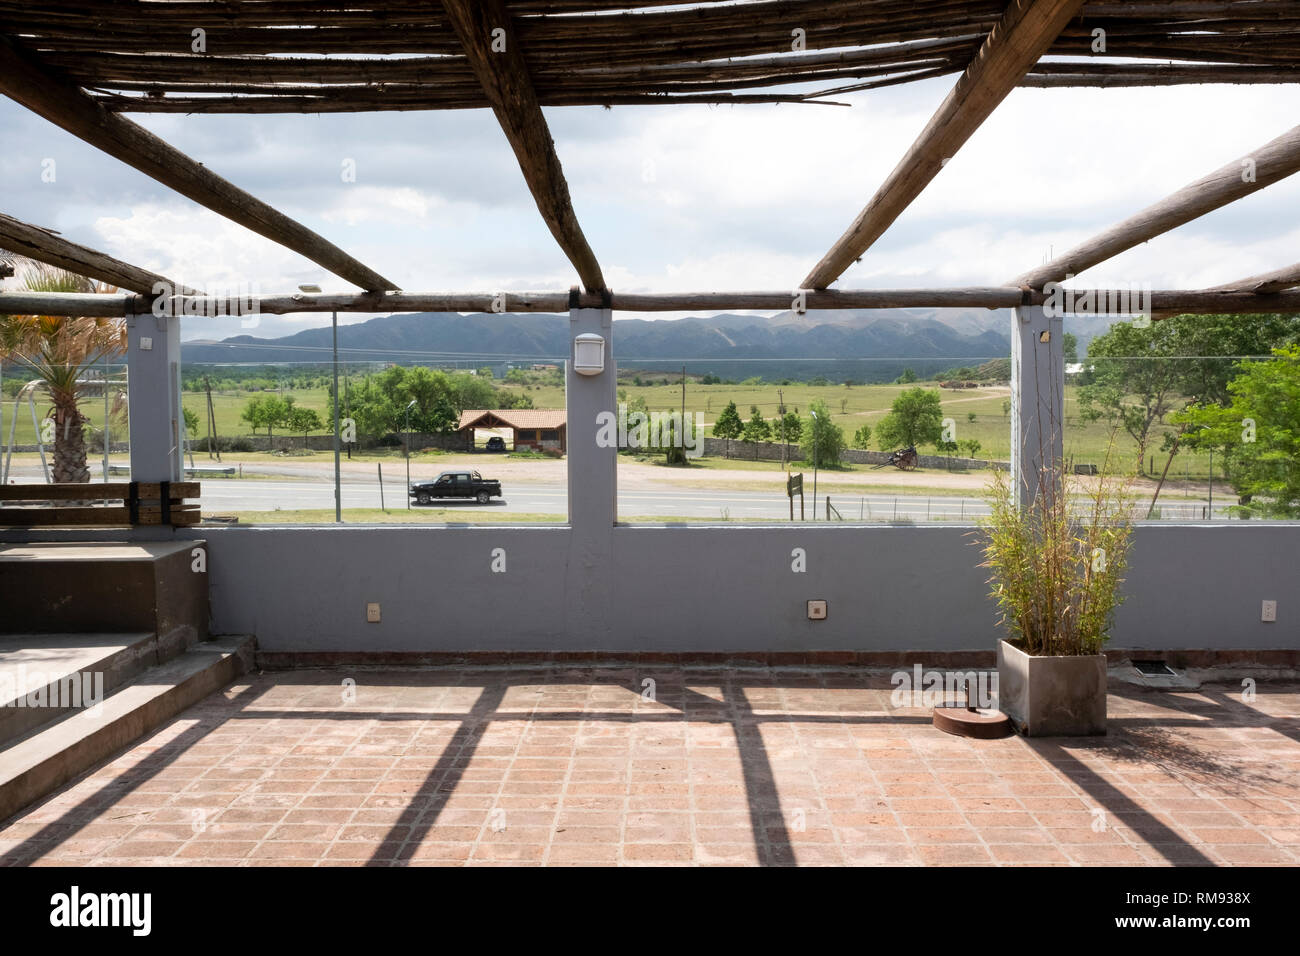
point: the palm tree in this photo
(57, 350)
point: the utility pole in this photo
(780, 410)
(212, 420)
(683, 399)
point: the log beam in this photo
(1026, 31)
(26, 80)
(45, 245)
(487, 34)
(1275, 281)
(1271, 162)
(1079, 302)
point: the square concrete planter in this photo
(1052, 696)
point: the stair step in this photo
(52, 754)
(97, 586)
(47, 676)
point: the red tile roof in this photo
(516, 417)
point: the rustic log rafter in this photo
(1276, 281)
(486, 33)
(24, 79)
(1272, 162)
(46, 245)
(1026, 31)
(1207, 302)
(135, 56)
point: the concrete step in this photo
(54, 753)
(95, 587)
(47, 676)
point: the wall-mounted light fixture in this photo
(588, 354)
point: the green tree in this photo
(56, 350)
(915, 418)
(823, 441)
(303, 420)
(1259, 431)
(191, 422)
(728, 425)
(669, 438)
(971, 447)
(1070, 347)
(1141, 374)
(471, 391)
(862, 437)
(756, 429)
(517, 400)
(379, 403)
(788, 428)
(907, 378)
(1134, 382)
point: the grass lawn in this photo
(851, 407)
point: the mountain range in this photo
(866, 345)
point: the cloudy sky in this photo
(687, 198)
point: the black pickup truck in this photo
(457, 484)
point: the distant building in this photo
(540, 429)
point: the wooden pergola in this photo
(83, 63)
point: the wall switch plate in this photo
(372, 613)
(816, 610)
(146, 344)
(1268, 611)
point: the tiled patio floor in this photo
(563, 766)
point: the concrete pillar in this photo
(1037, 397)
(593, 489)
(153, 362)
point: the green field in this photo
(850, 407)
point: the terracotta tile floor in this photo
(741, 767)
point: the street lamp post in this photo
(338, 480)
(1211, 518)
(1210, 512)
(338, 483)
(816, 450)
(408, 453)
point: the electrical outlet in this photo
(1268, 611)
(816, 610)
(372, 613)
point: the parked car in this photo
(457, 484)
(496, 443)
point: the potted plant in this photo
(1056, 565)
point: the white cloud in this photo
(395, 205)
(689, 198)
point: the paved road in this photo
(552, 498)
(297, 493)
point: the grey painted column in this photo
(593, 490)
(153, 362)
(1037, 397)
